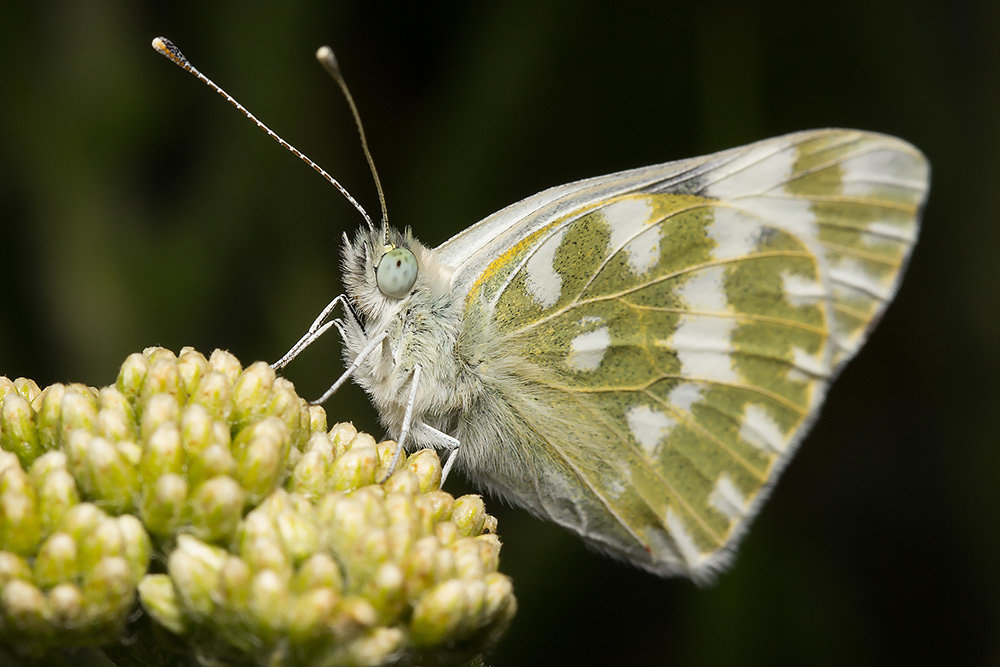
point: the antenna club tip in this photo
(326, 57)
(166, 48)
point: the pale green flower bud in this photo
(316, 418)
(78, 410)
(385, 590)
(377, 646)
(24, 609)
(270, 604)
(287, 406)
(217, 507)
(468, 559)
(226, 363)
(214, 393)
(56, 561)
(311, 475)
(111, 479)
(355, 468)
(81, 521)
(259, 451)
(136, 543)
(234, 582)
(108, 592)
(67, 606)
(162, 377)
(434, 507)
(191, 367)
(341, 435)
(164, 503)
(251, 393)
(352, 616)
(446, 532)
(13, 567)
(18, 433)
(194, 568)
(27, 388)
(20, 524)
(402, 482)
(131, 375)
(159, 410)
(309, 619)
(426, 465)
(55, 488)
(469, 515)
(115, 419)
(441, 613)
(159, 599)
(318, 571)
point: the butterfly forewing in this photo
(690, 316)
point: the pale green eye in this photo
(396, 272)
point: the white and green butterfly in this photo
(637, 356)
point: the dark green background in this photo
(139, 209)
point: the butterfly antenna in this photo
(329, 62)
(167, 48)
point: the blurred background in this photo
(138, 209)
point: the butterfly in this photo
(637, 356)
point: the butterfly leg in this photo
(404, 430)
(316, 329)
(448, 442)
(372, 344)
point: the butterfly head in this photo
(382, 268)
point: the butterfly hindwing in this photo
(689, 318)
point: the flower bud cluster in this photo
(277, 541)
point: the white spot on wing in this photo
(734, 233)
(784, 212)
(726, 498)
(686, 394)
(866, 174)
(761, 431)
(648, 426)
(801, 291)
(756, 171)
(588, 349)
(806, 366)
(702, 342)
(852, 274)
(685, 544)
(704, 290)
(544, 284)
(887, 230)
(628, 218)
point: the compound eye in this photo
(396, 272)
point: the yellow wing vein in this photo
(688, 419)
(856, 314)
(597, 494)
(779, 148)
(670, 276)
(872, 147)
(891, 262)
(777, 398)
(745, 317)
(649, 225)
(651, 469)
(903, 207)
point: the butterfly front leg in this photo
(319, 327)
(421, 431)
(428, 432)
